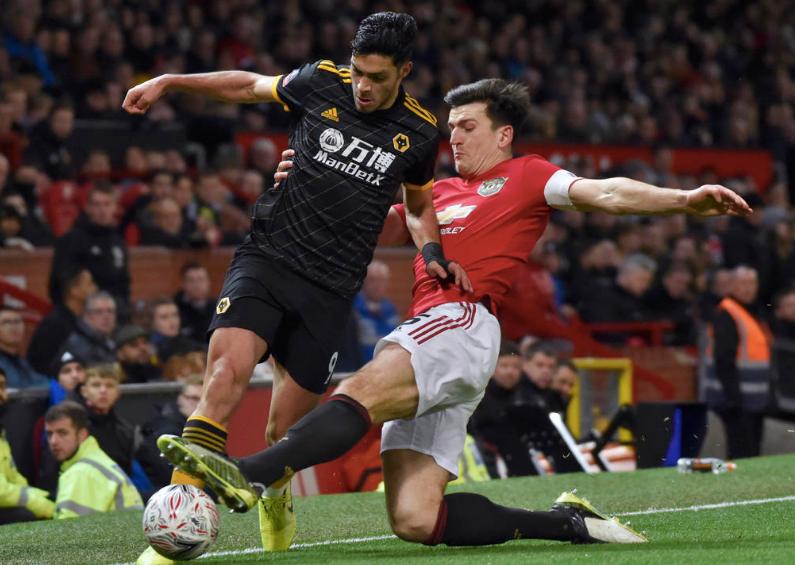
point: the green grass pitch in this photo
(749, 526)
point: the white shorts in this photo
(454, 349)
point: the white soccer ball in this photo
(180, 522)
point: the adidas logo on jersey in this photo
(331, 114)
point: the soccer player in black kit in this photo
(357, 137)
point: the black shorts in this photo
(302, 323)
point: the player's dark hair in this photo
(390, 34)
(507, 103)
(68, 409)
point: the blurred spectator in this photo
(92, 340)
(48, 150)
(783, 327)
(11, 229)
(20, 42)
(738, 366)
(538, 365)
(494, 422)
(136, 355)
(96, 486)
(30, 227)
(263, 157)
(180, 367)
(377, 315)
(100, 393)
(52, 332)
(170, 420)
(196, 306)
(70, 373)
(741, 243)
(165, 331)
(672, 300)
(718, 288)
(167, 227)
(18, 372)
(624, 301)
(562, 386)
(94, 243)
(18, 501)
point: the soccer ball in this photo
(180, 522)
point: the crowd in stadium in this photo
(599, 72)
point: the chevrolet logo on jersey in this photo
(354, 157)
(401, 142)
(492, 186)
(453, 213)
(331, 114)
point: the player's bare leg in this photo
(199, 455)
(232, 355)
(415, 487)
(290, 401)
(420, 512)
(382, 390)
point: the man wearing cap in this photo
(70, 372)
(135, 354)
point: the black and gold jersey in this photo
(324, 220)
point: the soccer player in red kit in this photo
(430, 373)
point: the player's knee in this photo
(224, 374)
(415, 527)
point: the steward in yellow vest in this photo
(90, 480)
(18, 501)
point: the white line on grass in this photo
(698, 507)
(694, 508)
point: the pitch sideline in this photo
(346, 541)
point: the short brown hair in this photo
(68, 409)
(507, 103)
(108, 371)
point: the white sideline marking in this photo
(694, 508)
(299, 545)
(698, 507)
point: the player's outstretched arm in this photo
(626, 196)
(227, 86)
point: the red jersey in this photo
(489, 225)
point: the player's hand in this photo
(283, 169)
(455, 270)
(716, 200)
(141, 97)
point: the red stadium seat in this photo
(62, 203)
